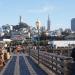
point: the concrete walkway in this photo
(20, 64)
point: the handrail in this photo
(56, 63)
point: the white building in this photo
(63, 43)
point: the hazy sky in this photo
(60, 11)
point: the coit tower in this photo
(48, 24)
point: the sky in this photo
(60, 11)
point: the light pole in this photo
(29, 50)
(29, 42)
(38, 25)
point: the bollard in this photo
(8, 55)
(5, 56)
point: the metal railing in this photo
(57, 63)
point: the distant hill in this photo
(21, 25)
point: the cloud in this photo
(42, 9)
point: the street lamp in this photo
(38, 27)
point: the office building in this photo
(73, 24)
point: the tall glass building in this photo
(73, 24)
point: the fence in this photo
(56, 63)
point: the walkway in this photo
(20, 64)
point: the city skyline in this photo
(60, 12)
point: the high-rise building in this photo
(42, 29)
(38, 24)
(73, 24)
(48, 24)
